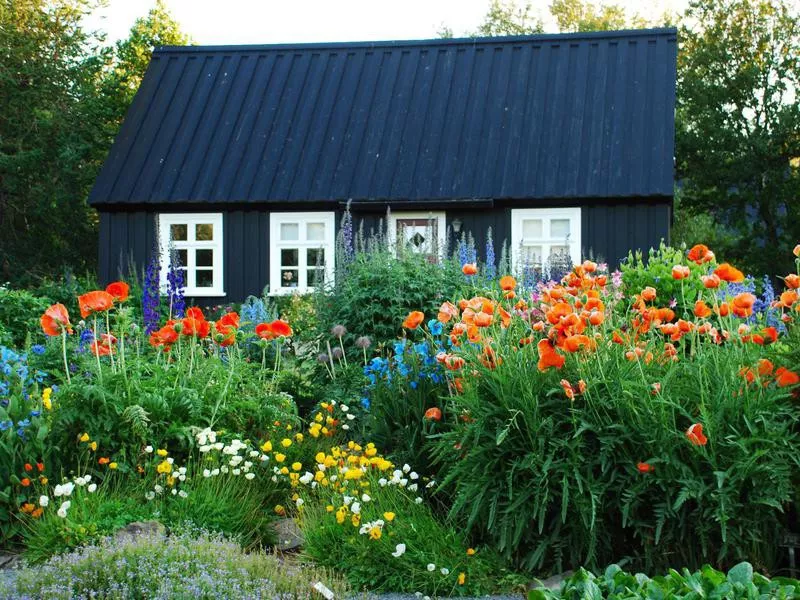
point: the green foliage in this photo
(740, 583)
(737, 118)
(19, 314)
(189, 565)
(506, 17)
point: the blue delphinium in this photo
(762, 309)
(151, 295)
(38, 349)
(463, 252)
(175, 286)
(347, 236)
(491, 267)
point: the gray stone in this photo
(288, 535)
(552, 583)
(9, 561)
(138, 528)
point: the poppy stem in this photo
(111, 349)
(64, 353)
(96, 348)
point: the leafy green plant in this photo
(19, 314)
(615, 584)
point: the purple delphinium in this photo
(151, 295)
(176, 284)
(491, 268)
(347, 236)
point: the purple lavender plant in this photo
(176, 284)
(151, 295)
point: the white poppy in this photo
(399, 550)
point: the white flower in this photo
(382, 482)
(399, 550)
(87, 477)
(64, 489)
(204, 448)
(365, 498)
(413, 487)
(92, 487)
(418, 594)
(264, 458)
(274, 478)
(346, 427)
(206, 473)
(350, 416)
(431, 567)
(307, 478)
(158, 489)
(430, 484)
(397, 474)
(250, 476)
(223, 469)
(236, 471)
(182, 494)
(418, 500)
(247, 464)
(253, 454)
(347, 500)
(215, 472)
(80, 481)
(182, 470)
(445, 571)
(413, 475)
(174, 491)
(219, 446)
(44, 501)
(334, 477)
(181, 477)
(344, 407)
(356, 508)
(403, 482)
(62, 512)
(150, 495)
(299, 502)
(148, 449)
(406, 468)
(170, 460)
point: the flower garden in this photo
(439, 429)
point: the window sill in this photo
(290, 291)
(204, 293)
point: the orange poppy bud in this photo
(28, 467)
(796, 251)
(680, 272)
(433, 414)
(792, 281)
(724, 309)
(469, 269)
(414, 319)
(40, 466)
(643, 467)
(695, 435)
(710, 281)
(596, 317)
(25, 482)
(570, 393)
(103, 460)
(507, 283)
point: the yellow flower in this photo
(324, 431)
(296, 466)
(462, 577)
(161, 452)
(375, 533)
(318, 417)
(280, 457)
(295, 496)
(470, 551)
(340, 515)
(170, 481)
(164, 467)
(320, 458)
(356, 520)
(279, 510)
(112, 465)
(43, 480)
(93, 446)
(314, 430)
(85, 437)
(319, 476)
(286, 442)
(370, 451)
(284, 471)
(46, 402)
(329, 508)
(354, 474)
(288, 428)
(389, 516)
(266, 446)
(298, 437)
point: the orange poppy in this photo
(509, 295)
(568, 389)
(453, 363)
(573, 343)
(700, 254)
(792, 281)
(107, 344)
(470, 269)
(447, 311)
(103, 460)
(680, 272)
(548, 357)
(226, 328)
(596, 317)
(785, 377)
(281, 328)
(94, 302)
(695, 435)
(701, 309)
(765, 367)
(644, 467)
(28, 467)
(264, 331)
(433, 414)
(483, 320)
(55, 320)
(194, 326)
(505, 317)
(796, 251)
(507, 283)
(788, 298)
(710, 281)
(25, 482)
(724, 309)
(414, 319)
(119, 291)
(743, 304)
(166, 336)
(648, 294)
(729, 273)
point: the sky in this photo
(291, 21)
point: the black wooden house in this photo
(243, 158)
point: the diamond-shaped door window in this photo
(417, 239)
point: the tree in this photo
(576, 15)
(738, 127)
(505, 17)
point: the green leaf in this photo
(741, 573)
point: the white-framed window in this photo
(196, 238)
(301, 251)
(539, 235)
(418, 232)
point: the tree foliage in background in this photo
(738, 127)
(63, 94)
(506, 17)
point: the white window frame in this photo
(546, 215)
(165, 221)
(441, 227)
(328, 245)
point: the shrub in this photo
(19, 314)
(574, 438)
(180, 566)
(739, 583)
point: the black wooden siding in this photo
(608, 232)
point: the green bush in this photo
(615, 584)
(19, 314)
(179, 566)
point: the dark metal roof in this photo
(586, 115)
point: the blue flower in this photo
(24, 423)
(4, 425)
(365, 402)
(435, 327)
(38, 349)
(35, 413)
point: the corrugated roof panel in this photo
(548, 116)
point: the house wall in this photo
(609, 230)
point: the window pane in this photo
(532, 229)
(182, 256)
(315, 232)
(290, 232)
(531, 255)
(289, 257)
(559, 228)
(316, 277)
(204, 278)
(204, 258)
(315, 256)
(559, 250)
(289, 278)
(177, 232)
(203, 232)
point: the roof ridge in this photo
(464, 41)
